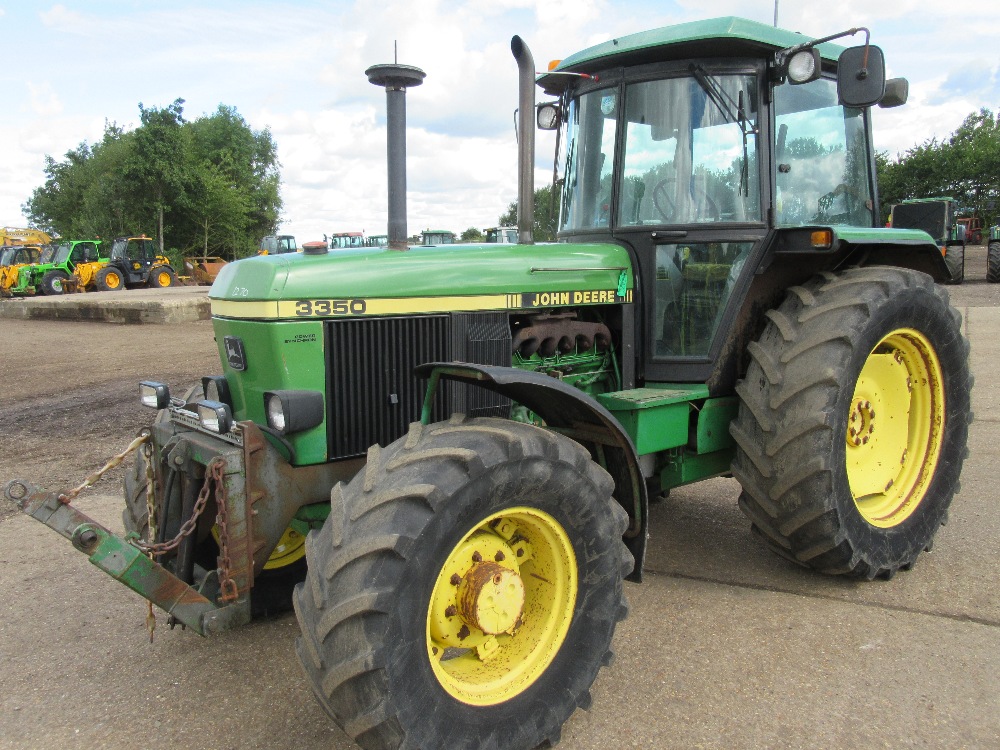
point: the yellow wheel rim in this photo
(895, 428)
(113, 280)
(501, 606)
(290, 548)
(163, 279)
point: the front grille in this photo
(373, 395)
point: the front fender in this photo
(571, 412)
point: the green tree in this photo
(211, 184)
(963, 166)
(472, 234)
(157, 167)
(546, 214)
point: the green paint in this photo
(740, 36)
(656, 417)
(280, 356)
(425, 272)
(686, 467)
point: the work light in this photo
(215, 416)
(804, 66)
(153, 394)
(216, 388)
(293, 411)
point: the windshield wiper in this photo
(733, 111)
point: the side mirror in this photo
(861, 76)
(548, 116)
(897, 90)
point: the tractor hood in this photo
(446, 278)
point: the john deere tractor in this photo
(936, 216)
(456, 446)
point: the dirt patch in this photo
(69, 393)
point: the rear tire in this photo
(955, 260)
(161, 277)
(853, 421)
(383, 617)
(993, 262)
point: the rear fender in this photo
(573, 413)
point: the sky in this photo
(296, 67)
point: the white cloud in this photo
(299, 69)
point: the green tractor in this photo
(48, 276)
(719, 302)
(936, 216)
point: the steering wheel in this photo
(852, 199)
(663, 201)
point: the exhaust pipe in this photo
(395, 79)
(525, 141)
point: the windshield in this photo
(822, 158)
(690, 153)
(62, 253)
(5, 255)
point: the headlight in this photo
(293, 411)
(216, 388)
(153, 394)
(215, 416)
(804, 66)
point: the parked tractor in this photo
(936, 216)
(52, 273)
(502, 235)
(14, 258)
(277, 245)
(134, 262)
(345, 240)
(973, 229)
(720, 302)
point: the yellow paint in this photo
(895, 428)
(533, 575)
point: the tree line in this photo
(964, 166)
(208, 185)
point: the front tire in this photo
(464, 589)
(853, 421)
(993, 262)
(52, 282)
(109, 279)
(955, 260)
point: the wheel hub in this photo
(861, 423)
(491, 598)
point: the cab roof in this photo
(728, 36)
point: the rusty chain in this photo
(228, 590)
(215, 472)
(68, 497)
(147, 451)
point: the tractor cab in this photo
(73, 253)
(277, 245)
(708, 161)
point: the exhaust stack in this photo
(395, 79)
(525, 141)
